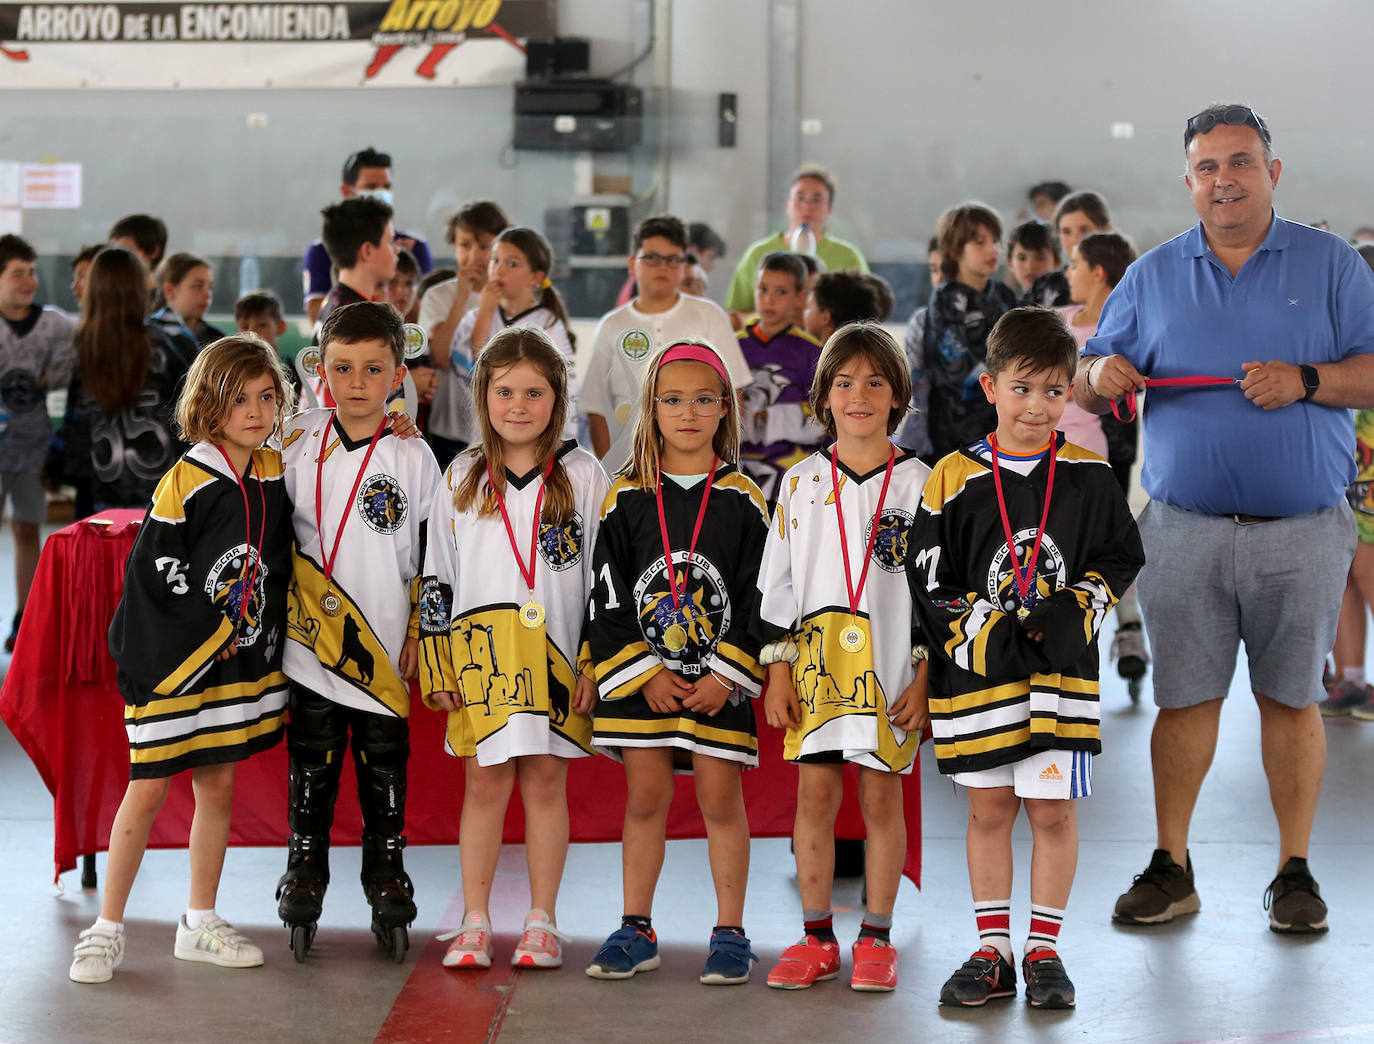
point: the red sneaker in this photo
(805, 963)
(875, 967)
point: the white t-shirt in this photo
(620, 351)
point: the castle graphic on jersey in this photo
(561, 545)
(817, 687)
(481, 680)
(382, 503)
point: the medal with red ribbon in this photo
(1169, 382)
(675, 634)
(330, 603)
(852, 638)
(249, 580)
(531, 613)
(1025, 582)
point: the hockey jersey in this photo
(996, 696)
(844, 695)
(353, 657)
(777, 428)
(516, 682)
(186, 597)
(633, 609)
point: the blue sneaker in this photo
(729, 961)
(628, 950)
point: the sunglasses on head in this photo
(1232, 116)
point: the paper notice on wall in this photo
(11, 221)
(51, 186)
(9, 184)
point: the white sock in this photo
(194, 917)
(1354, 675)
(103, 922)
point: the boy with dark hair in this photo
(627, 336)
(705, 242)
(361, 242)
(36, 356)
(776, 426)
(144, 234)
(350, 647)
(366, 172)
(259, 312)
(81, 265)
(1045, 196)
(946, 352)
(1079, 214)
(471, 231)
(883, 297)
(838, 299)
(1032, 250)
(1021, 545)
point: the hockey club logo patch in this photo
(889, 549)
(684, 635)
(561, 546)
(225, 585)
(382, 503)
(635, 344)
(1050, 574)
(434, 610)
(20, 391)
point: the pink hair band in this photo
(696, 353)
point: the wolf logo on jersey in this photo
(561, 545)
(889, 549)
(703, 612)
(382, 503)
(1049, 571)
(225, 584)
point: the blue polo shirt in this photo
(1305, 296)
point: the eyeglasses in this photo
(703, 405)
(660, 260)
(1232, 116)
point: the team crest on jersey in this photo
(561, 545)
(889, 549)
(635, 344)
(1050, 574)
(226, 583)
(434, 609)
(382, 503)
(703, 615)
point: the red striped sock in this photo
(1045, 923)
(994, 925)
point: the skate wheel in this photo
(1133, 687)
(301, 938)
(398, 943)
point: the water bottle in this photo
(250, 278)
(804, 240)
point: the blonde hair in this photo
(642, 467)
(513, 345)
(215, 380)
(870, 340)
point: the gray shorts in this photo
(1210, 584)
(28, 501)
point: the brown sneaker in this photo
(1294, 902)
(1164, 891)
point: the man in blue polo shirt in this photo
(1248, 534)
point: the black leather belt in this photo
(1251, 520)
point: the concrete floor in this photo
(1218, 976)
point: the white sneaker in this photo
(99, 949)
(540, 945)
(473, 944)
(216, 941)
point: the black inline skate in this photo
(300, 892)
(389, 892)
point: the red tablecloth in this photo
(60, 702)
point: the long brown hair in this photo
(513, 345)
(540, 257)
(113, 350)
(642, 467)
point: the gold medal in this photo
(330, 604)
(1022, 613)
(531, 614)
(675, 638)
(852, 639)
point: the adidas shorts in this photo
(1056, 775)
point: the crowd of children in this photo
(632, 551)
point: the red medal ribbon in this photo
(248, 529)
(856, 593)
(1023, 583)
(348, 507)
(696, 532)
(526, 574)
(1169, 382)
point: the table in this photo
(60, 702)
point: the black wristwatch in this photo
(1310, 382)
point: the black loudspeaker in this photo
(549, 59)
(578, 115)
